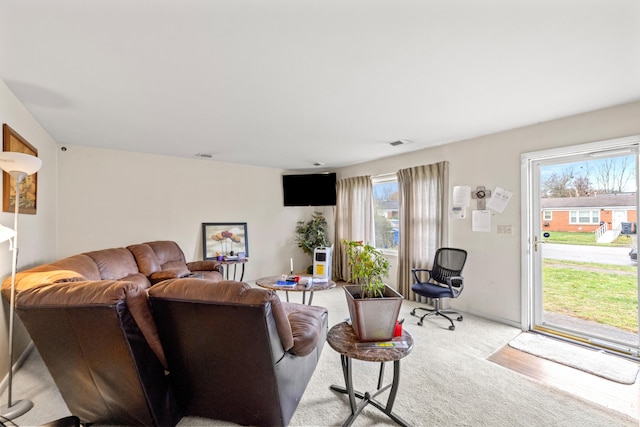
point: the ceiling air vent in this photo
(399, 142)
(204, 155)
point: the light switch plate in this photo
(505, 229)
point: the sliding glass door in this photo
(580, 275)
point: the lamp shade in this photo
(6, 233)
(19, 162)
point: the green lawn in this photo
(603, 293)
(588, 239)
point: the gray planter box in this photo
(373, 319)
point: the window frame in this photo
(576, 215)
(381, 179)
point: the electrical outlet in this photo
(505, 229)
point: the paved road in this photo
(599, 254)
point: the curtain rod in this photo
(385, 175)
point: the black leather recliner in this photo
(237, 353)
(99, 342)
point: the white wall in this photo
(111, 198)
(37, 233)
(492, 272)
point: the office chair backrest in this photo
(448, 262)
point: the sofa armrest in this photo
(29, 279)
(206, 265)
(306, 326)
(171, 273)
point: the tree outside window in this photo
(385, 210)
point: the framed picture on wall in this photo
(12, 141)
(224, 238)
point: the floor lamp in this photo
(18, 165)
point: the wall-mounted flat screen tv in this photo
(318, 189)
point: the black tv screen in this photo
(318, 189)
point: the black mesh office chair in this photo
(444, 281)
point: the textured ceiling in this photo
(286, 84)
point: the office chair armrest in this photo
(455, 289)
(415, 272)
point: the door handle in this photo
(535, 243)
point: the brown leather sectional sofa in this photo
(138, 336)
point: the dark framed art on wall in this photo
(12, 141)
(224, 239)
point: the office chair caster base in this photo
(436, 312)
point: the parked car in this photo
(633, 254)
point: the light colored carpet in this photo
(445, 381)
(593, 361)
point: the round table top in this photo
(342, 338)
(270, 282)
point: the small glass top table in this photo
(271, 282)
(343, 339)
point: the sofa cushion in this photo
(163, 260)
(168, 253)
(114, 264)
(74, 268)
(306, 326)
(30, 280)
(145, 257)
(80, 264)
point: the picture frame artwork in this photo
(221, 238)
(12, 141)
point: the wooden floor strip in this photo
(623, 398)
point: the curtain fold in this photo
(423, 203)
(353, 219)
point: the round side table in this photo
(343, 339)
(271, 282)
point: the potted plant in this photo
(373, 305)
(311, 235)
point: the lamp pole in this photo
(20, 407)
(18, 165)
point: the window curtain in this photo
(422, 202)
(353, 219)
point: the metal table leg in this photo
(366, 397)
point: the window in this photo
(385, 212)
(584, 217)
(547, 216)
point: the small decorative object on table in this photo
(304, 284)
(288, 280)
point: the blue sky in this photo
(590, 168)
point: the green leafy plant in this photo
(368, 267)
(312, 234)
